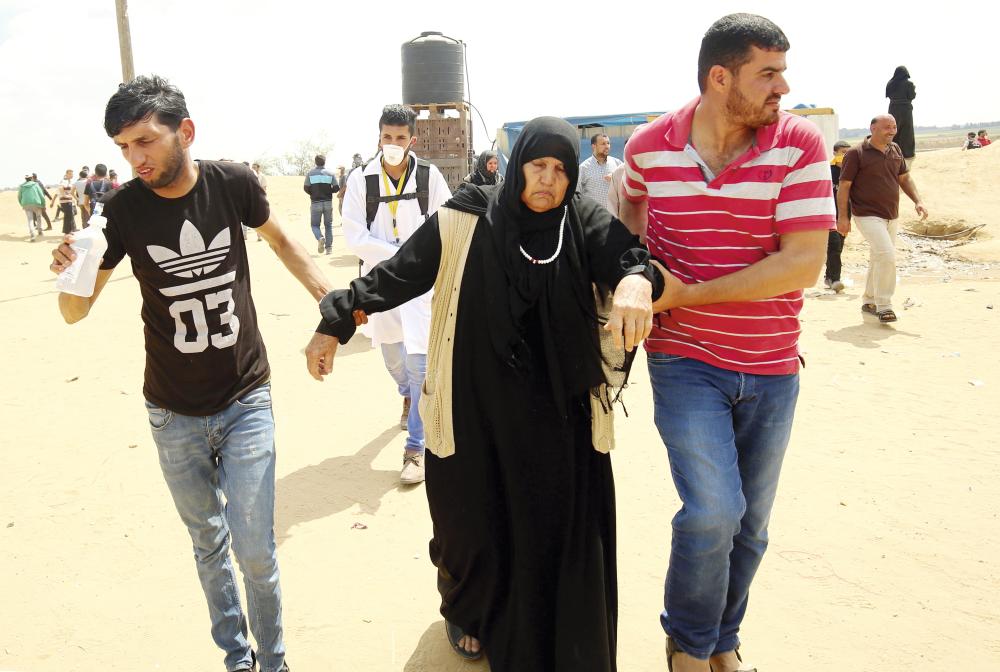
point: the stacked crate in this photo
(444, 138)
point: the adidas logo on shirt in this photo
(194, 259)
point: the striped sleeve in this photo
(806, 199)
(633, 181)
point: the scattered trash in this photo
(359, 526)
(280, 314)
(366, 620)
(952, 354)
(10, 525)
(911, 303)
(133, 445)
(976, 383)
(842, 504)
(989, 306)
(946, 278)
(70, 380)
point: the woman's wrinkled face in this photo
(545, 184)
(491, 165)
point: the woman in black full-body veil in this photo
(900, 91)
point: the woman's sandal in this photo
(455, 635)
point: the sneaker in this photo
(405, 417)
(827, 282)
(329, 250)
(413, 469)
(320, 245)
(837, 286)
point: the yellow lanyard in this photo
(394, 205)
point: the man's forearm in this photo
(786, 271)
(635, 216)
(909, 188)
(843, 198)
(300, 264)
(73, 308)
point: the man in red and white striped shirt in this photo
(736, 200)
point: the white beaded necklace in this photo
(562, 225)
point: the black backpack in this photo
(373, 199)
(99, 187)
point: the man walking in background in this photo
(96, 188)
(870, 179)
(48, 196)
(321, 185)
(32, 199)
(80, 194)
(64, 195)
(835, 242)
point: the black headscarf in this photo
(480, 175)
(560, 291)
(900, 88)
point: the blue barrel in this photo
(433, 70)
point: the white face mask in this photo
(393, 154)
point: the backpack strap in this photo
(423, 186)
(373, 197)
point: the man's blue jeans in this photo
(220, 472)
(726, 434)
(322, 210)
(408, 371)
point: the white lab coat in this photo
(411, 322)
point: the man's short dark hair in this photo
(972, 134)
(728, 43)
(83, 174)
(142, 98)
(398, 115)
(101, 170)
(320, 160)
(982, 132)
(597, 136)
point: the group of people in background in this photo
(72, 198)
(975, 140)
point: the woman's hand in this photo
(319, 355)
(631, 312)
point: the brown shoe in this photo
(406, 413)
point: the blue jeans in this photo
(322, 210)
(220, 472)
(726, 434)
(408, 371)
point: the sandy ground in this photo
(885, 535)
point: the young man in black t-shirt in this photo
(207, 377)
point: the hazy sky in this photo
(259, 77)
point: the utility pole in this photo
(125, 41)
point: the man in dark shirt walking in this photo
(321, 185)
(870, 179)
(207, 381)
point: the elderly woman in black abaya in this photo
(901, 91)
(521, 501)
(486, 171)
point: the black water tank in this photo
(433, 70)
